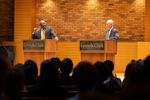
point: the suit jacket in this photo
(48, 33)
(113, 34)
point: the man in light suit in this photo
(111, 33)
(44, 32)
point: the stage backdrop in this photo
(84, 19)
(128, 16)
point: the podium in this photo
(39, 50)
(98, 50)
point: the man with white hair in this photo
(44, 32)
(111, 33)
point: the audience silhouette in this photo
(92, 81)
(65, 68)
(47, 84)
(30, 71)
(14, 83)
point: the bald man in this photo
(111, 33)
(44, 32)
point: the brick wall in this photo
(85, 19)
(6, 20)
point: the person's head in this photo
(66, 66)
(109, 24)
(57, 61)
(49, 73)
(31, 71)
(103, 71)
(3, 71)
(15, 81)
(42, 24)
(110, 65)
(132, 60)
(19, 65)
(136, 75)
(84, 76)
(128, 69)
(147, 67)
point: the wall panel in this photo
(147, 20)
(69, 50)
(126, 51)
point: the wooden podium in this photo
(39, 50)
(104, 50)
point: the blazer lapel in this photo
(111, 33)
(40, 33)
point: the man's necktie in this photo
(107, 36)
(43, 34)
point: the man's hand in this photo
(34, 30)
(56, 39)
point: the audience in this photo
(132, 60)
(3, 75)
(103, 75)
(112, 80)
(127, 71)
(147, 67)
(136, 92)
(57, 61)
(85, 78)
(20, 66)
(137, 85)
(93, 82)
(14, 83)
(66, 68)
(136, 76)
(47, 84)
(30, 71)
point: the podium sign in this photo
(92, 45)
(33, 45)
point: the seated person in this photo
(14, 83)
(103, 75)
(112, 80)
(57, 61)
(84, 77)
(65, 68)
(47, 84)
(30, 71)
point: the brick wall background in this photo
(6, 20)
(85, 19)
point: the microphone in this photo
(102, 34)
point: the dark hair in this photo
(128, 69)
(103, 71)
(57, 61)
(84, 76)
(31, 71)
(136, 92)
(136, 75)
(49, 73)
(15, 81)
(110, 65)
(147, 67)
(20, 66)
(66, 66)
(3, 71)
(132, 60)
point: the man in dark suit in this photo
(44, 32)
(111, 33)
